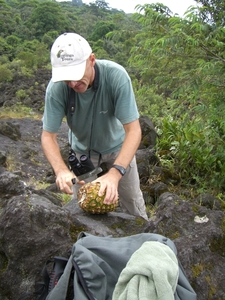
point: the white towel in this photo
(150, 274)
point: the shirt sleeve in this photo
(55, 106)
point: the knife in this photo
(88, 174)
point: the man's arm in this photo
(109, 181)
(130, 145)
(52, 152)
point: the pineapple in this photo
(89, 200)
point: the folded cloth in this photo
(150, 274)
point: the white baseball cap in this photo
(69, 54)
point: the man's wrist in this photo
(120, 169)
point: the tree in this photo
(48, 16)
(101, 29)
(5, 48)
(102, 4)
(13, 40)
(183, 61)
(49, 37)
(7, 22)
(212, 11)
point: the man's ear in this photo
(92, 59)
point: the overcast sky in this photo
(176, 6)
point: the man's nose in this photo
(72, 83)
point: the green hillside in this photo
(176, 64)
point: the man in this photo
(103, 120)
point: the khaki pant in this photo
(130, 195)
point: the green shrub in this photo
(5, 73)
(196, 151)
(21, 94)
(4, 59)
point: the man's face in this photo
(82, 85)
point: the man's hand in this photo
(109, 183)
(52, 152)
(64, 181)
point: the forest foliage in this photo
(176, 64)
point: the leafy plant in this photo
(195, 150)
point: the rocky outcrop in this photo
(35, 225)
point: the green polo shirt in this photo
(97, 122)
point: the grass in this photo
(18, 111)
(65, 198)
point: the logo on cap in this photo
(65, 56)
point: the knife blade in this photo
(90, 174)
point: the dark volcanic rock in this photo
(35, 225)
